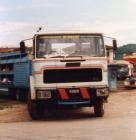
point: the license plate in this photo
(74, 91)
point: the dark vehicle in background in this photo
(122, 71)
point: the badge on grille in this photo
(74, 91)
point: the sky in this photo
(20, 19)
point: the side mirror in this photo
(114, 45)
(22, 47)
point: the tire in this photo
(99, 108)
(12, 93)
(35, 109)
(20, 95)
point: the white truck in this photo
(68, 69)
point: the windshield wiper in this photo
(57, 56)
(75, 56)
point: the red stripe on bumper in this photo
(84, 93)
(63, 94)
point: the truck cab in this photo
(68, 69)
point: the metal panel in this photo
(21, 74)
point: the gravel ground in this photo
(119, 122)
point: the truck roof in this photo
(68, 33)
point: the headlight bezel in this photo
(102, 92)
(43, 94)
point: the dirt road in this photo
(119, 122)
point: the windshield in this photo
(69, 46)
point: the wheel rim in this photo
(17, 96)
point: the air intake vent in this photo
(72, 64)
(72, 75)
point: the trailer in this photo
(61, 70)
(15, 69)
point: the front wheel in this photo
(35, 109)
(99, 108)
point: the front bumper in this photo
(72, 96)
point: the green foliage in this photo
(129, 48)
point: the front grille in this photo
(72, 75)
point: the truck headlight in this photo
(102, 92)
(43, 94)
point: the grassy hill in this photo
(124, 49)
